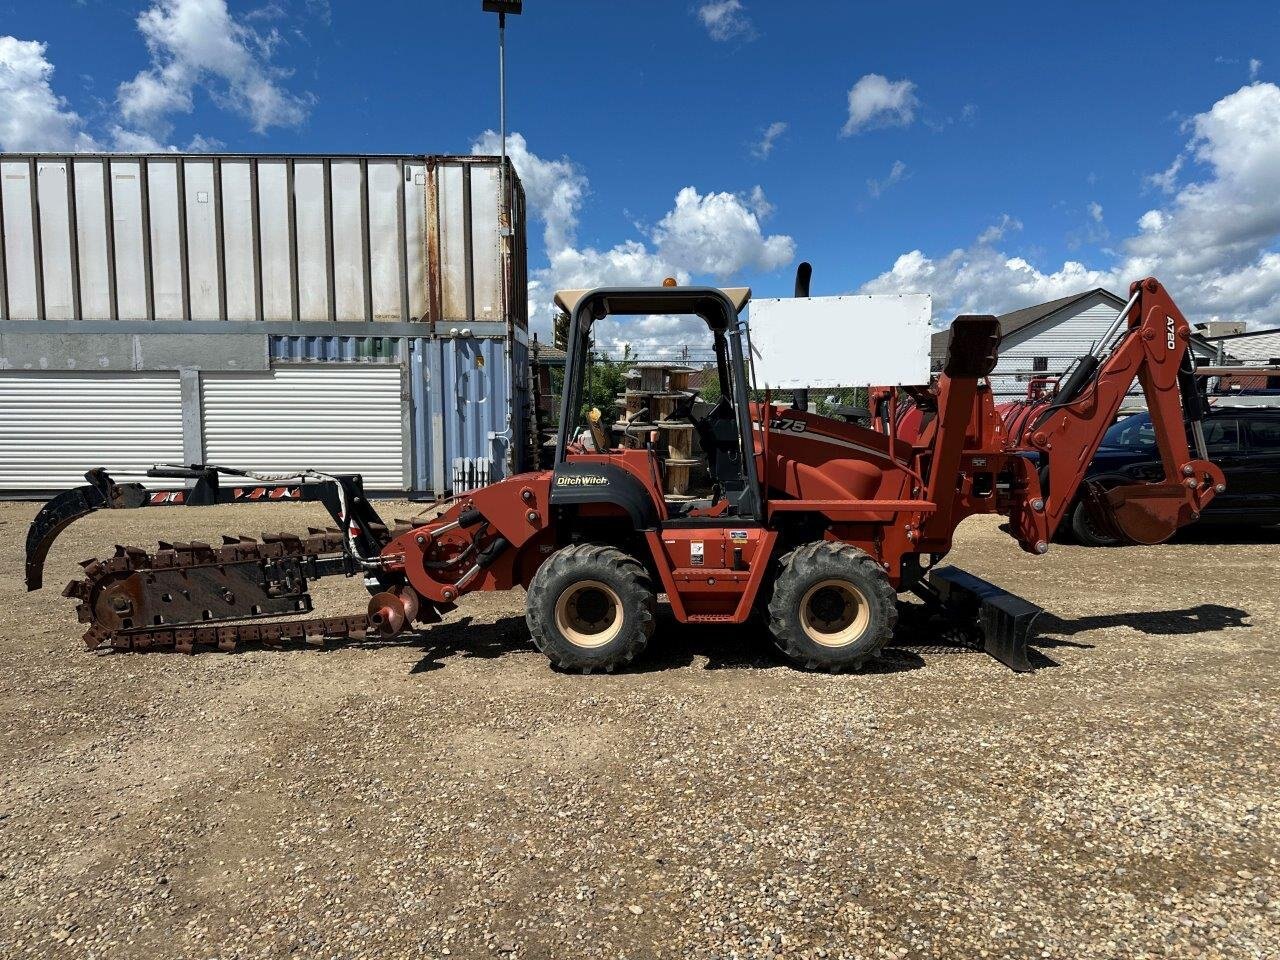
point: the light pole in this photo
(502, 8)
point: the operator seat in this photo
(718, 434)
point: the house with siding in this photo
(1043, 340)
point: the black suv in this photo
(1243, 441)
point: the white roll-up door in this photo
(340, 419)
(55, 425)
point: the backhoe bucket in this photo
(1142, 513)
(1001, 621)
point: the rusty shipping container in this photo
(227, 271)
(235, 237)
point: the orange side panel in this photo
(712, 574)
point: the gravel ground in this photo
(453, 796)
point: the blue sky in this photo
(1010, 152)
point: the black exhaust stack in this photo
(804, 272)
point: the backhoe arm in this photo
(1155, 349)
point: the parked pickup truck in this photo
(1244, 441)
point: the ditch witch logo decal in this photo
(584, 480)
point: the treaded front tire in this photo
(832, 608)
(591, 607)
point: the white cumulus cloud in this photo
(877, 187)
(1166, 181)
(719, 234)
(768, 139)
(197, 44)
(193, 45)
(725, 19)
(1213, 242)
(877, 101)
(32, 116)
(713, 235)
(553, 189)
(1006, 224)
(982, 279)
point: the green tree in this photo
(560, 330)
(606, 380)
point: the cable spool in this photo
(678, 476)
(664, 404)
(637, 400)
(653, 379)
(678, 378)
(634, 438)
(679, 440)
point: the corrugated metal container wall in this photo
(461, 390)
(340, 349)
(56, 424)
(521, 398)
(467, 400)
(235, 237)
(345, 418)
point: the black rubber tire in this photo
(805, 570)
(1086, 531)
(632, 593)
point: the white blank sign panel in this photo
(852, 341)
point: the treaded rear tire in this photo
(616, 584)
(855, 583)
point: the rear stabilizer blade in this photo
(1002, 620)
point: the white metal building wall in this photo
(1068, 336)
(343, 419)
(1071, 333)
(55, 425)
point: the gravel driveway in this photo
(453, 796)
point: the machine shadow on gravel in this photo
(746, 646)
(1204, 618)
(1226, 535)
(674, 646)
(466, 638)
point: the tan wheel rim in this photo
(589, 614)
(834, 613)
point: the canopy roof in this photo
(566, 300)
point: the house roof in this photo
(1015, 321)
(1261, 346)
(1019, 319)
(547, 354)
